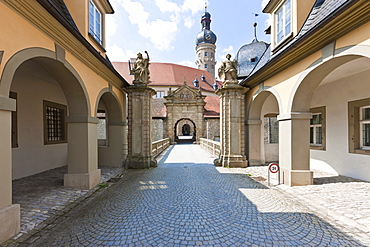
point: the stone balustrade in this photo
(159, 146)
(211, 146)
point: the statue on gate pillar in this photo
(228, 70)
(141, 69)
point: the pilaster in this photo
(9, 213)
(83, 169)
(254, 142)
(294, 148)
(232, 125)
(139, 127)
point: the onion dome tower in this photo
(205, 45)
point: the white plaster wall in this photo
(269, 151)
(335, 96)
(33, 85)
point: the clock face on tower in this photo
(208, 36)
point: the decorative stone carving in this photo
(141, 69)
(184, 106)
(228, 71)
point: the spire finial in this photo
(255, 28)
(205, 6)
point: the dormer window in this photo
(284, 21)
(95, 23)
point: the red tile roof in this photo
(167, 74)
(212, 107)
(158, 108)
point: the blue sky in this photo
(167, 28)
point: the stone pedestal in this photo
(294, 148)
(254, 142)
(10, 218)
(83, 169)
(139, 127)
(232, 97)
(9, 213)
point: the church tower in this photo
(205, 46)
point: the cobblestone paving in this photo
(186, 201)
(340, 200)
(43, 195)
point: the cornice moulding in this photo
(42, 20)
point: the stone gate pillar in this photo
(232, 125)
(139, 127)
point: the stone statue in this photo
(141, 69)
(228, 70)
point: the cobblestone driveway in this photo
(187, 204)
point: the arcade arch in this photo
(262, 128)
(110, 129)
(54, 125)
(339, 88)
(185, 130)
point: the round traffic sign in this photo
(274, 168)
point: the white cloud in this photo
(167, 6)
(111, 25)
(187, 63)
(193, 5)
(189, 22)
(116, 53)
(160, 32)
(264, 3)
(230, 50)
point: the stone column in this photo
(232, 125)
(294, 148)
(83, 169)
(139, 126)
(9, 213)
(253, 142)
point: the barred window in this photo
(54, 123)
(271, 129)
(365, 127)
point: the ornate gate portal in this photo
(185, 120)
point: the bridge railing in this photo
(159, 146)
(211, 146)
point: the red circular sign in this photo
(274, 168)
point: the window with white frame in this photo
(283, 21)
(95, 23)
(365, 127)
(160, 94)
(316, 130)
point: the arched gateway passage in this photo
(185, 131)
